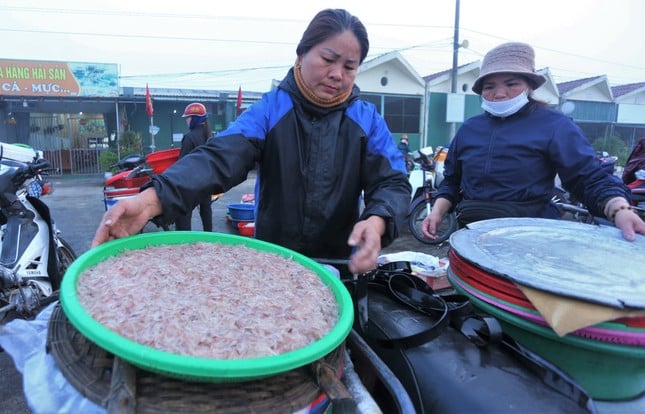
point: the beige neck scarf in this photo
(312, 97)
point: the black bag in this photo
(451, 359)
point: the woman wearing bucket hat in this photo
(330, 182)
(503, 163)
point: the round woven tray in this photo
(89, 369)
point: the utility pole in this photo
(455, 60)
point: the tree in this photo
(130, 142)
(613, 145)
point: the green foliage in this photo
(107, 158)
(130, 142)
(613, 145)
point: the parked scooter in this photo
(637, 188)
(135, 171)
(131, 172)
(573, 209)
(33, 257)
(424, 181)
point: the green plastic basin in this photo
(196, 368)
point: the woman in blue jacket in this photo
(503, 163)
(320, 151)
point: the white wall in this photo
(594, 94)
(630, 114)
(637, 98)
(399, 81)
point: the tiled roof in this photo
(444, 72)
(567, 86)
(621, 90)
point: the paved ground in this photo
(77, 206)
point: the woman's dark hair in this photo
(330, 22)
(531, 98)
(208, 132)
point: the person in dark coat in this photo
(199, 132)
(635, 162)
(330, 183)
(503, 162)
(404, 145)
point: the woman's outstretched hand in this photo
(629, 223)
(127, 217)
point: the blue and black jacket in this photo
(320, 170)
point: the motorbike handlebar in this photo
(29, 170)
(39, 165)
(425, 162)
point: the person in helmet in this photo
(330, 183)
(404, 145)
(199, 132)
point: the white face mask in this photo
(506, 108)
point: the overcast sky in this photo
(224, 44)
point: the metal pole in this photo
(455, 54)
(455, 50)
(152, 137)
(172, 128)
(118, 131)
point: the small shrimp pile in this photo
(209, 300)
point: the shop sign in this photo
(50, 78)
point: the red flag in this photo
(239, 99)
(149, 109)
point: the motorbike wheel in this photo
(66, 256)
(448, 225)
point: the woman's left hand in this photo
(629, 223)
(366, 238)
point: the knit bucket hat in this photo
(511, 57)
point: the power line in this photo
(141, 36)
(117, 13)
(223, 72)
(103, 13)
(173, 16)
(560, 52)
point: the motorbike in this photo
(128, 163)
(131, 173)
(573, 209)
(418, 350)
(424, 181)
(134, 171)
(33, 255)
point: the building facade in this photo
(76, 111)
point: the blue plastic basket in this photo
(242, 211)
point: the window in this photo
(401, 113)
(375, 99)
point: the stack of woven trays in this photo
(90, 369)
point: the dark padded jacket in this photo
(316, 168)
(517, 158)
(192, 139)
